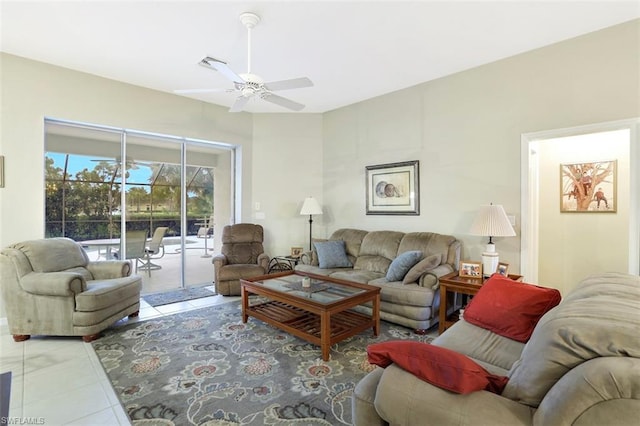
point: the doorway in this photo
(560, 247)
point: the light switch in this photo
(512, 219)
(257, 205)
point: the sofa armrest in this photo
(107, 269)
(53, 283)
(404, 399)
(431, 277)
(263, 260)
(219, 260)
(602, 390)
(306, 258)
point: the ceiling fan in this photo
(250, 85)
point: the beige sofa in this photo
(414, 304)
(581, 366)
(50, 287)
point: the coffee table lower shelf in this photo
(308, 325)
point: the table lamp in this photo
(310, 207)
(491, 221)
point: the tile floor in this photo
(59, 380)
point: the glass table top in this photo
(319, 290)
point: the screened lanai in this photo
(95, 198)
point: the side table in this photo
(454, 283)
(283, 263)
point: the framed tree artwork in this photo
(588, 187)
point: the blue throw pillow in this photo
(332, 254)
(401, 265)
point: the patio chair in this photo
(50, 287)
(206, 232)
(242, 257)
(135, 251)
(152, 249)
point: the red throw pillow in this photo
(439, 366)
(510, 308)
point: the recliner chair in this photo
(242, 257)
(50, 287)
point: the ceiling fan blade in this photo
(222, 68)
(239, 104)
(294, 83)
(188, 91)
(284, 102)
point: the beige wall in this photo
(287, 167)
(465, 129)
(32, 91)
(575, 245)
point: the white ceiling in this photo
(351, 50)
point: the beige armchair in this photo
(50, 287)
(242, 257)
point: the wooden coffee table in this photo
(320, 314)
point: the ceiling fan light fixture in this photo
(250, 85)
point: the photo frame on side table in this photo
(393, 189)
(296, 251)
(589, 187)
(469, 269)
(503, 269)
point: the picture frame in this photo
(296, 251)
(1, 171)
(503, 269)
(393, 189)
(470, 269)
(589, 187)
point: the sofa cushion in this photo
(599, 318)
(356, 275)
(102, 294)
(332, 254)
(431, 243)
(510, 308)
(377, 251)
(401, 265)
(352, 240)
(53, 254)
(240, 271)
(437, 365)
(494, 352)
(421, 267)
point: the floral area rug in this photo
(205, 367)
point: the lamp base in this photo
(490, 260)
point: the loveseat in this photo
(580, 366)
(410, 299)
(50, 287)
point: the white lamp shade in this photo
(492, 221)
(310, 206)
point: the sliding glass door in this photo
(208, 202)
(157, 200)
